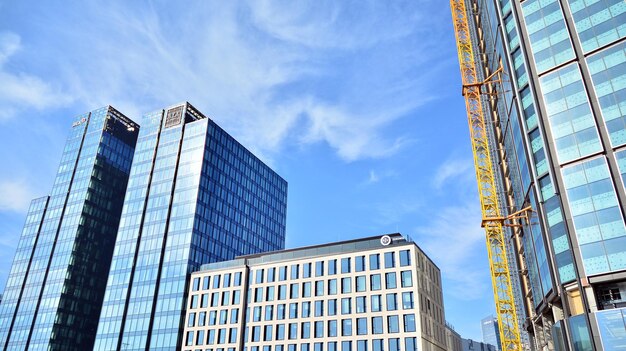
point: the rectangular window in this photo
(293, 310)
(332, 267)
(332, 346)
(259, 276)
(319, 268)
(377, 345)
(306, 309)
(361, 345)
(346, 327)
(319, 329)
(269, 293)
(374, 261)
(361, 286)
(407, 300)
(319, 308)
(361, 326)
(293, 331)
(405, 258)
(409, 323)
(258, 294)
(216, 281)
(256, 317)
(234, 316)
(345, 265)
(393, 324)
(346, 305)
(280, 311)
(236, 297)
(391, 302)
(282, 292)
(306, 330)
(375, 282)
(268, 333)
(282, 273)
(232, 338)
(271, 272)
(205, 283)
(332, 307)
(376, 303)
(332, 328)
(226, 283)
(306, 289)
(201, 319)
(196, 284)
(346, 346)
(237, 280)
(294, 291)
(295, 270)
(394, 344)
(407, 279)
(389, 260)
(319, 288)
(390, 280)
(280, 332)
(377, 325)
(359, 263)
(256, 334)
(332, 286)
(410, 344)
(360, 304)
(269, 312)
(318, 346)
(306, 270)
(346, 285)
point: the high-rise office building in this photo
(195, 196)
(377, 293)
(54, 292)
(491, 333)
(558, 119)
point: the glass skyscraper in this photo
(491, 333)
(56, 285)
(559, 120)
(195, 196)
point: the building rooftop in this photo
(355, 245)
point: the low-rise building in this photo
(371, 294)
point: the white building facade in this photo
(373, 294)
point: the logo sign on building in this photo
(79, 122)
(174, 116)
(385, 240)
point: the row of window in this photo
(392, 344)
(330, 267)
(305, 330)
(305, 309)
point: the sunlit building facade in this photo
(491, 332)
(54, 292)
(371, 294)
(195, 196)
(559, 121)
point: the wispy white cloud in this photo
(273, 78)
(375, 176)
(15, 195)
(19, 90)
(455, 241)
(456, 169)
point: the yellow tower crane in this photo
(492, 220)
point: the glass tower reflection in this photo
(195, 196)
(56, 285)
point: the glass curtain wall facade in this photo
(561, 110)
(195, 196)
(491, 334)
(56, 285)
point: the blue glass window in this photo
(573, 126)
(598, 22)
(608, 72)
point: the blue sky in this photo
(356, 103)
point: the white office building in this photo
(373, 294)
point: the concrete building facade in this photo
(371, 294)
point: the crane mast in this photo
(492, 220)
